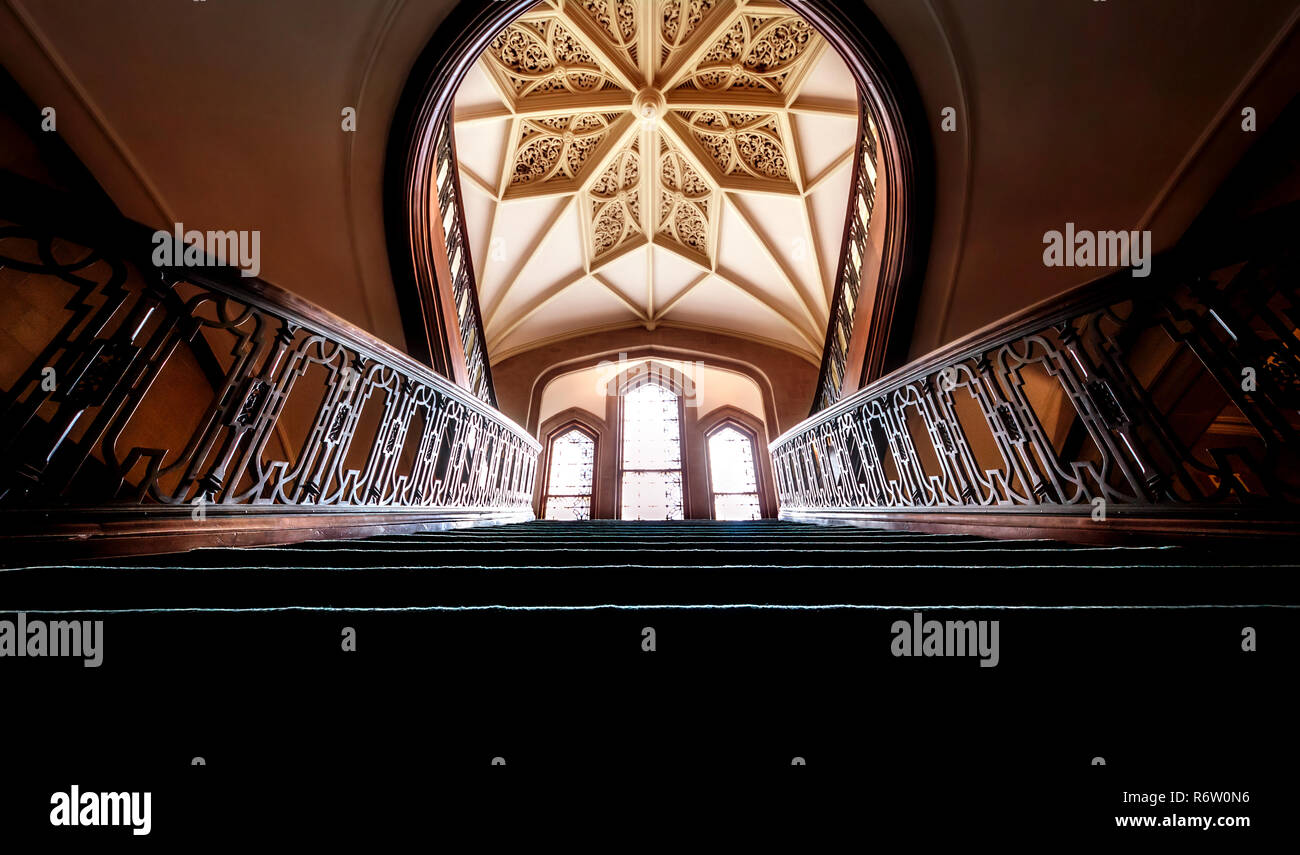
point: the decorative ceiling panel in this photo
(678, 20)
(615, 202)
(556, 148)
(750, 144)
(543, 56)
(648, 118)
(685, 201)
(760, 52)
(618, 23)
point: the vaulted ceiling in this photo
(650, 163)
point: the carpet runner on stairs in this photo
(641, 564)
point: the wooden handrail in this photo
(835, 356)
(904, 184)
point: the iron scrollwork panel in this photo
(147, 387)
(1185, 393)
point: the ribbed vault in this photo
(641, 162)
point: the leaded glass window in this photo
(569, 483)
(731, 472)
(652, 454)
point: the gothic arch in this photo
(651, 371)
(729, 416)
(746, 369)
(595, 428)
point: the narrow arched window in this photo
(570, 476)
(732, 475)
(651, 486)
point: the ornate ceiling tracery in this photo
(670, 136)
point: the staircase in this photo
(532, 643)
(546, 564)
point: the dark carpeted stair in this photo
(615, 563)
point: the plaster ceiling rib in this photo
(762, 47)
(482, 114)
(635, 309)
(749, 289)
(479, 182)
(611, 30)
(809, 235)
(794, 150)
(743, 284)
(825, 273)
(649, 284)
(507, 162)
(487, 260)
(487, 263)
(608, 101)
(648, 54)
(612, 203)
(702, 264)
(648, 206)
(607, 259)
(834, 166)
(539, 241)
(727, 99)
(649, 58)
(811, 311)
(677, 298)
(532, 306)
(824, 107)
(542, 55)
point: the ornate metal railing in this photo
(126, 384)
(1176, 391)
(464, 291)
(848, 283)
